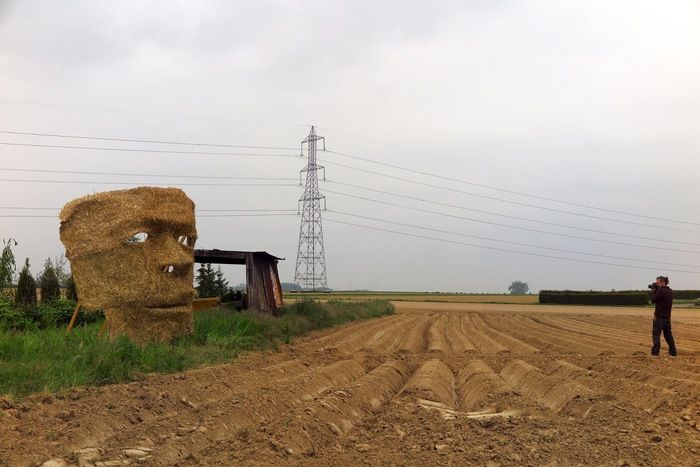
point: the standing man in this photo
(662, 297)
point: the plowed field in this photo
(434, 384)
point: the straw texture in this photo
(144, 287)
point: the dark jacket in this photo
(663, 298)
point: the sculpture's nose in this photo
(174, 259)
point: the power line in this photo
(558, 234)
(153, 114)
(508, 216)
(563, 250)
(28, 215)
(517, 203)
(507, 250)
(204, 215)
(155, 151)
(248, 215)
(451, 158)
(151, 141)
(22, 208)
(513, 192)
(100, 182)
(121, 174)
(245, 210)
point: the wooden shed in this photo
(262, 278)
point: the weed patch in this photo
(35, 354)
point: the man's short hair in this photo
(663, 278)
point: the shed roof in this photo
(216, 256)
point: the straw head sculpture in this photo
(132, 255)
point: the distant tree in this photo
(7, 265)
(220, 283)
(48, 281)
(71, 289)
(518, 288)
(26, 286)
(290, 286)
(59, 266)
(206, 281)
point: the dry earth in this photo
(413, 297)
(435, 384)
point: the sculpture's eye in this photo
(138, 238)
(185, 240)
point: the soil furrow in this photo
(481, 341)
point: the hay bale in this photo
(144, 287)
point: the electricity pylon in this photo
(310, 271)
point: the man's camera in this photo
(653, 286)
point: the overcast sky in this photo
(589, 102)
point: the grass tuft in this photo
(41, 358)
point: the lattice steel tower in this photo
(310, 271)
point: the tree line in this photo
(49, 280)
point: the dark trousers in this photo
(662, 325)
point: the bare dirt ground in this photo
(435, 384)
(413, 297)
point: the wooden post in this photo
(73, 318)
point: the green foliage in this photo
(59, 267)
(14, 318)
(220, 283)
(34, 359)
(625, 297)
(48, 361)
(211, 282)
(26, 286)
(518, 288)
(49, 283)
(573, 297)
(43, 315)
(71, 289)
(7, 264)
(686, 294)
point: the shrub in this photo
(13, 318)
(71, 289)
(26, 286)
(50, 287)
(314, 311)
(7, 264)
(43, 315)
(686, 294)
(35, 359)
(573, 297)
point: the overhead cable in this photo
(122, 174)
(104, 182)
(154, 114)
(504, 190)
(508, 216)
(491, 239)
(558, 234)
(145, 150)
(507, 250)
(150, 141)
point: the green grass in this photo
(35, 360)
